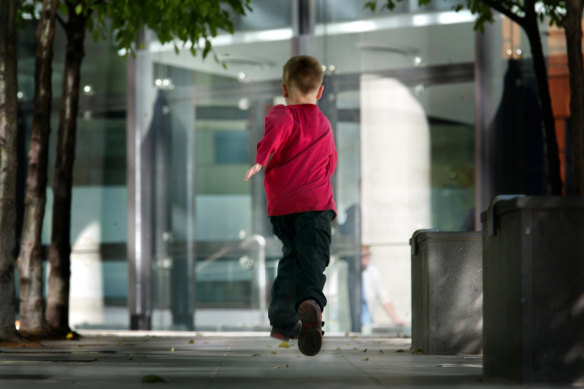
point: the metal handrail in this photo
(261, 268)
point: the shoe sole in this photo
(285, 335)
(277, 335)
(310, 338)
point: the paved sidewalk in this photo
(232, 360)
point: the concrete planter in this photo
(534, 289)
(447, 292)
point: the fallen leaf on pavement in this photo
(152, 379)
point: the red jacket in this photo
(303, 159)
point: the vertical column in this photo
(488, 88)
(161, 174)
(395, 179)
(303, 23)
(139, 155)
(181, 201)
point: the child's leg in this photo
(282, 312)
(312, 243)
(306, 239)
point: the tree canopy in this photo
(516, 10)
(189, 23)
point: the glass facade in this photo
(402, 108)
(166, 235)
(99, 222)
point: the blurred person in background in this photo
(374, 292)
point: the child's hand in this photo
(252, 171)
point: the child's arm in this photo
(278, 125)
(252, 171)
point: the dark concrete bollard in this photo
(534, 289)
(447, 290)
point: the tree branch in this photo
(60, 20)
(70, 7)
(498, 6)
(510, 4)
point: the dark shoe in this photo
(286, 334)
(310, 339)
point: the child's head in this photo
(302, 74)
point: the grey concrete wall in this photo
(447, 292)
(534, 290)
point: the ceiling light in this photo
(243, 104)
(164, 83)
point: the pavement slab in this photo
(114, 360)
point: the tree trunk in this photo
(573, 29)
(57, 313)
(549, 133)
(30, 261)
(8, 165)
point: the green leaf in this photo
(207, 48)
(372, 5)
(78, 9)
(152, 379)
(63, 9)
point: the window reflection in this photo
(402, 106)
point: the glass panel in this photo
(333, 11)
(267, 14)
(211, 121)
(405, 99)
(453, 175)
(99, 203)
(400, 94)
(402, 108)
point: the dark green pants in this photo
(306, 237)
